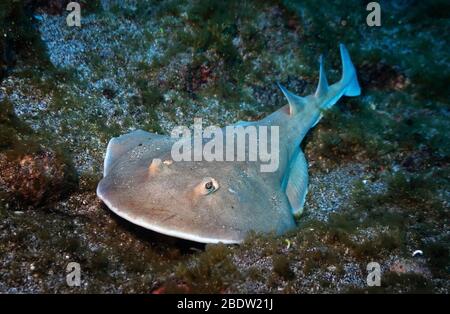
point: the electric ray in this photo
(219, 201)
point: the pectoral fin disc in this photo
(118, 146)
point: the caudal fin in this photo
(328, 95)
(349, 78)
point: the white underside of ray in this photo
(158, 228)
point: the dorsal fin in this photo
(296, 103)
(322, 88)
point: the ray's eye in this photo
(207, 186)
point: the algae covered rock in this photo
(30, 173)
(35, 178)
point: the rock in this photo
(417, 253)
(172, 287)
(381, 76)
(108, 93)
(37, 178)
(331, 268)
(403, 266)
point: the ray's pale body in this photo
(144, 185)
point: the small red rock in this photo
(35, 178)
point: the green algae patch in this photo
(281, 266)
(10, 126)
(211, 271)
(20, 38)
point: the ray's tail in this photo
(347, 86)
(305, 113)
(327, 95)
